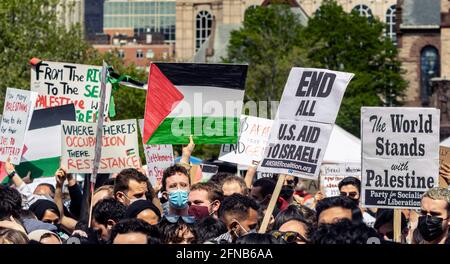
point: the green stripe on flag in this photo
(206, 130)
(39, 168)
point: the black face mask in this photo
(286, 192)
(430, 227)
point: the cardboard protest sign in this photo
(444, 158)
(159, 158)
(305, 118)
(254, 134)
(119, 146)
(60, 83)
(400, 155)
(332, 174)
(17, 112)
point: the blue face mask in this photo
(178, 199)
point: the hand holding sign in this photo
(190, 147)
(60, 176)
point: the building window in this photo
(139, 54)
(363, 10)
(429, 68)
(390, 24)
(150, 54)
(203, 28)
(121, 54)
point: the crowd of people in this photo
(127, 209)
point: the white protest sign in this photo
(120, 148)
(303, 124)
(254, 134)
(17, 112)
(400, 155)
(158, 158)
(59, 83)
(332, 174)
(313, 95)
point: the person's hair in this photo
(209, 228)
(438, 193)
(256, 238)
(110, 181)
(342, 202)
(170, 171)
(343, 232)
(124, 177)
(108, 188)
(350, 181)
(291, 213)
(26, 214)
(141, 205)
(47, 235)
(214, 192)
(134, 225)
(108, 209)
(11, 236)
(41, 206)
(237, 205)
(386, 216)
(239, 180)
(267, 186)
(48, 185)
(219, 178)
(10, 203)
(170, 231)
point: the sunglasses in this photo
(349, 194)
(174, 219)
(289, 237)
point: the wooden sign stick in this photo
(397, 225)
(272, 203)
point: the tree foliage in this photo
(272, 40)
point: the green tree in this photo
(269, 41)
(352, 43)
(31, 28)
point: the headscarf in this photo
(140, 205)
(40, 206)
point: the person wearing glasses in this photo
(177, 229)
(291, 226)
(351, 188)
(239, 213)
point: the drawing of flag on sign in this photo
(203, 100)
(130, 152)
(42, 150)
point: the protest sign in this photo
(17, 112)
(60, 83)
(332, 174)
(119, 146)
(305, 117)
(400, 155)
(159, 158)
(254, 133)
(444, 158)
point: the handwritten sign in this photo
(254, 134)
(444, 158)
(119, 146)
(159, 158)
(17, 112)
(332, 174)
(305, 118)
(400, 155)
(59, 83)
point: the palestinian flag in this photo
(210, 107)
(42, 149)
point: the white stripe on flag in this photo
(43, 143)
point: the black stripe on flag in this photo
(52, 116)
(202, 74)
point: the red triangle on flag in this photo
(162, 97)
